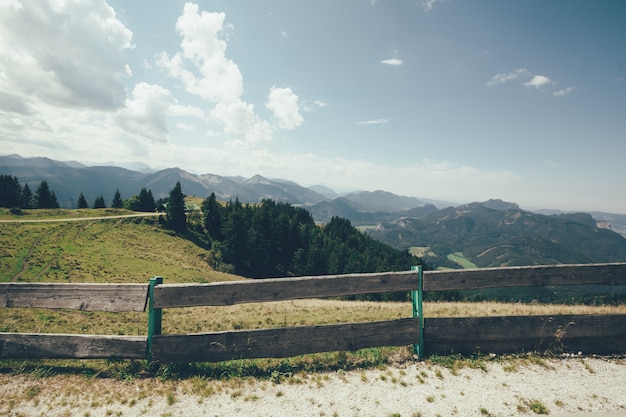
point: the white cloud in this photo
(186, 127)
(392, 61)
(75, 58)
(284, 104)
(564, 92)
(203, 51)
(204, 70)
(538, 81)
(145, 113)
(314, 105)
(504, 77)
(374, 122)
(428, 5)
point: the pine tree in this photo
(10, 191)
(117, 200)
(175, 216)
(26, 197)
(82, 202)
(99, 202)
(212, 211)
(44, 198)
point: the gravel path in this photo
(560, 387)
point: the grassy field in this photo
(108, 250)
(461, 260)
(134, 249)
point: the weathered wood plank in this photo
(88, 297)
(70, 346)
(283, 342)
(601, 334)
(525, 276)
(276, 289)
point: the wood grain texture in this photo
(600, 334)
(70, 346)
(525, 276)
(276, 289)
(87, 297)
(283, 342)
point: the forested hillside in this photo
(488, 237)
(276, 239)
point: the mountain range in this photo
(491, 233)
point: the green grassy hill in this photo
(130, 250)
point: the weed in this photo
(535, 406)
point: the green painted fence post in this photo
(154, 316)
(417, 297)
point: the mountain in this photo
(379, 200)
(488, 237)
(68, 180)
(492, 233)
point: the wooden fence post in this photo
(417, 297)
(154, 317)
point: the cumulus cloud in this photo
(538, 81)
(392, 61)
(74, 58)
(145, 113)
(284, 105)
(204, 70)
(509, 76)
(564, 92)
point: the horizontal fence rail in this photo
(599, 334)
(525, 276)
(71, 346)
(602, 334)
(284, 342)
(280, 289)
(86, 297)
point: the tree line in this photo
(274, 239)
(13, 195)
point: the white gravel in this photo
(560, 387)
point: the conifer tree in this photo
(44, 198)
(26, 197)
(82, 202)
(117, 200)
(99, 202)
(175, 216)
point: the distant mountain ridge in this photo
(492, 233)
(503, 236)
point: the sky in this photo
(449, 100)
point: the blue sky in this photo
(445, 99)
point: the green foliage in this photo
(117, 200)
(44, 198)
(10, 191)
(142, 202)
(82, 202)
(99, 202)
(175, 218)
(212, 217)
(276, 239)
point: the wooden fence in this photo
(602, 334)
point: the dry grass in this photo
(265, 315)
